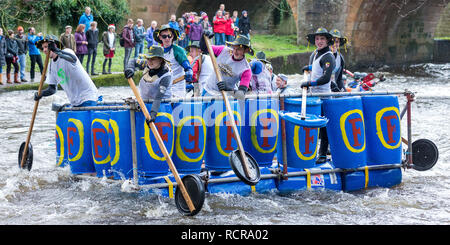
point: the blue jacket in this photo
(149, 37)
(32, 49)
(86, 20)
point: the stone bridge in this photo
(381, 32)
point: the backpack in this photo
(121, 40)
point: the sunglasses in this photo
(166, 36)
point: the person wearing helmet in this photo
(66, 70)
(156, 80)
(234, 68)
(176, 55)
(337, 84)
(321, 62)
(261, 76)
(321, 65)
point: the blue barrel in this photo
(100, 143)
(346, 131)
(61, 139)
(190, 137)
(151, 161)
(313, 105)
(383, 134)
(219, 134)
(260, 130)
(79, 148)
(120, 149)
(301, 139)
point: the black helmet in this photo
(51, 39)
(321, 32)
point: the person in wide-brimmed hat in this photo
(201, 66)
(166, 36)
(321, 65)
(66, 70)
(234, 68)
(337, 84)
(156, 81)
(261, 81)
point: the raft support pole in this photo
(410, 99)
(133, 108)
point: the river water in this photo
(48, 195)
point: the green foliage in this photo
(23, 11)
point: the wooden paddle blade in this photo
(254, 175)
(196, 190)
(28, 163)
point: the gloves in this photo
(305, 84)
(188, 75)
(209, 34)
(306, 68)
(129, 73)
(152, 117)
(240, 93)
(37, 97)
(222, 86)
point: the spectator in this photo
(23, 49)
(219, 28)
(244, 25)
(86, 19)
(109, 47)
(206, 24)
(12, 57)
(35, 55)
(139, 37)
(229, 28)
(81, 42)
(2, 54)
(149, 37)
(173, 22)
(68, 39)
(196, 30)
(221, 9)
(92, 39)
(128, 37)
(182, 42)
(236, 22)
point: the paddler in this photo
(282, 84)
(176, 55)
(322, 64)
(234, 68)
(337, 84)
(201, 66)
(66, 70)
(156, 78)
(261, 76)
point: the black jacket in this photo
(22, 42)
(244, 25)
(12, 48)
(92, 38)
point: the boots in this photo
(109, 66)
(104, 67)
(1, 79)
(16, 78)
(8, 78)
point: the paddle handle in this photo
(178, 80)
(229, 111)
(162, 146)
(33, 117)
(304, 91)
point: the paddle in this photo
(152, 126)
(178, 80)
(304, 91)
(244, 159)
(26, 150)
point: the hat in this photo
(19, 28)
(283, 77)
(195, 44)
(163, 28)
(51, 39)
(262, 57)
(68, 26)
(242, 41)
(111, 26)
(322, 32)
(154, 51)
(244, 12)
(337, 34)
